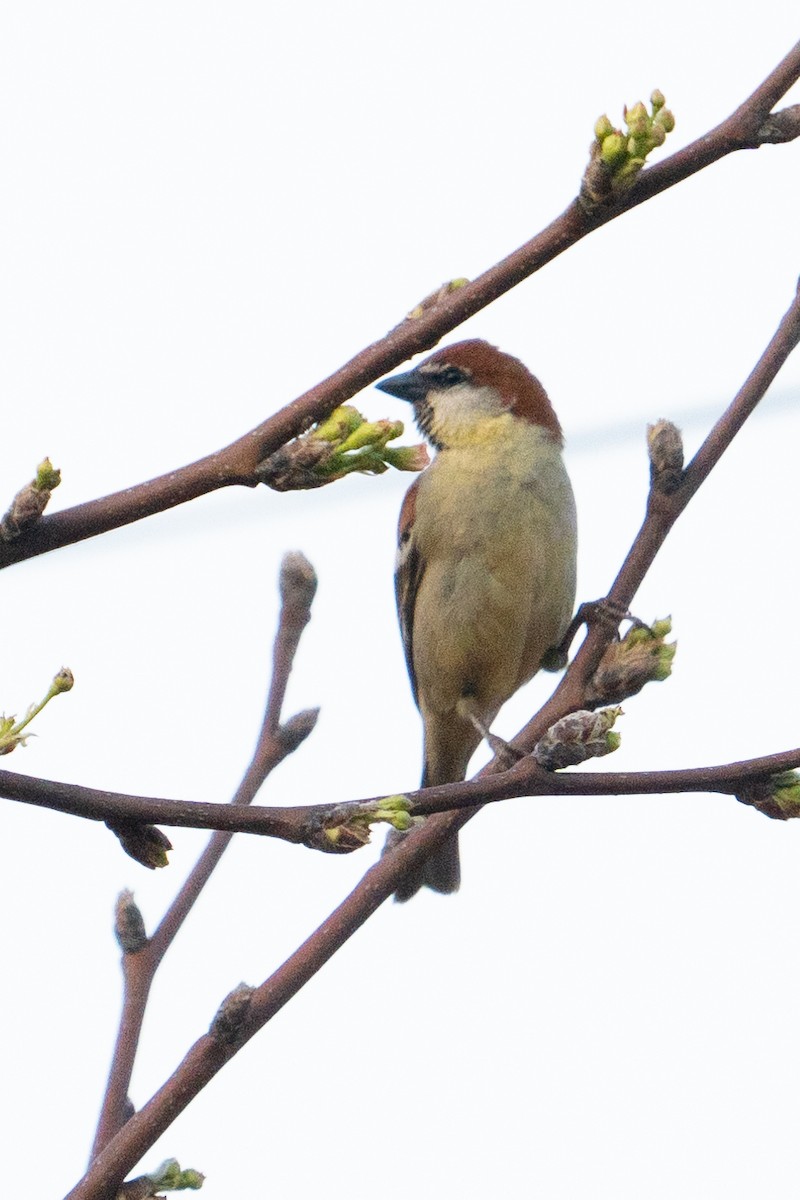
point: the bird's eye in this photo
(447, 377)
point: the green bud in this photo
(636, 116)
(339, 425)
(629, 170)
(348, 825)
(407, 458)
(602, 128)
(170, 1178)
(574, 739)
(191, 1179)
(10, 737)
(395, 811)
(776, 796)
(613, 149)
(47, 477)
(398, 803)
(616, 158)
(641, 657)
(144, 843)
(786, 792)
(635, 636)
(11, 734)
(30, 502)
(371, 433)
(64, 681)
(368, 460)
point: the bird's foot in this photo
(591, 612)
(506, 754)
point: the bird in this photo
(486, 558)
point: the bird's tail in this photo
(441, 870)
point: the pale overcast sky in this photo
(204, 209)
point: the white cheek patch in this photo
(456, 410)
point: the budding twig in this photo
(297, 587)
(238, 463)
(210, 1053)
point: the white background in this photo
(204, 209)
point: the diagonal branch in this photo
(297, 585)
(211, 1052)
(750, 126)
(293, 823)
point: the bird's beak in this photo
(411, 386)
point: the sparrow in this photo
(485, 576)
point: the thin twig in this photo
(746, 128)
(96, 805)
(296, 824)
(210, 1053)
(663, 510)
(297, 585)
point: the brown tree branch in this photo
(297, 586)
(210, 1053)
(95, 805)
(751, 125)
(663, 510)
(300, 824)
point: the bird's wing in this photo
(409, 570)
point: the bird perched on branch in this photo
(485, 577)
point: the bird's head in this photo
(460, 391)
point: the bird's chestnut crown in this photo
(472, 379)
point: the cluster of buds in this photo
(642, 656)
(617, 157)
(167, 1178)
(576, 738)
(29, 503)
(336, 447)
(11, 730)
(776, 796)
(347, 828)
